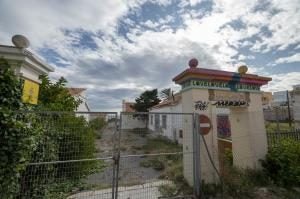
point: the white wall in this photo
(131, 122)
(296, 109)
(83, 107)
(173, 122)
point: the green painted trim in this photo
(223, 89)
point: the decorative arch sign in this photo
(229, 99)
(205, 124)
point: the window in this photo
(164, 121)
(180, 133)
(223, 127)
(151, 119)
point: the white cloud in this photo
(242, 57)
(152, 57)
(284, 26)
(43, 21)
(290, 59)
(151, 24)
(184, 3)
(283, 81)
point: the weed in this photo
(155, 163)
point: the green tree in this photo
(282, 163)
(146, 100)
(66, 137)
(19, 132)
(55, 96)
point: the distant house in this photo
(296, 105)
(278, 109)
(78, 93)
(267, 99)
(130, 120)
(127, 106)
(167, 125)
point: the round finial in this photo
(193, 63)
(243, 69)
(20, 41)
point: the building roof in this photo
(169, 102)
(21, 54)
(218, 75)
(76, 91)
(126, 106)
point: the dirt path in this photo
(130, 171)
(132, 192)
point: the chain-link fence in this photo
(233, 161)
(155, 158)
(70, 154)
(138, 155)
(100, 155)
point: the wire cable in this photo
(213, 164)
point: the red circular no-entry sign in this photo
(205, 124)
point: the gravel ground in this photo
(143, 191)
(131, 173)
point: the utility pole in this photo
(289, 109)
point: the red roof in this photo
(219, 75)
(76, 91)
(169, 102)
(127, 106)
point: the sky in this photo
(119, 48)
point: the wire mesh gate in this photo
(100, 155)
(72, 156)
(156, 156)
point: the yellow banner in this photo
(30, 92)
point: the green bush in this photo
(97, 124)
(41, 137)
(282, 163)
(161, 145)
(155, 163)
(174, 172)
(242, 182)
(19, 133)
(66, 137)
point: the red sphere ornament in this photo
(193, 63)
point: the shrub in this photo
(161, 145)
(97, 123)
(168, 190)
(65, 137)
(282, 163)
(174, 173)
(155, 163)
(19, 133)
(242, 182)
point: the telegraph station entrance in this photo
(232, 101)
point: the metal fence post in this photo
(118, 157)
(196, 155)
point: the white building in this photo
(129, 119)
(79, 93)
(167, 125)
(280, 98)
(25, 64)
(296, 105)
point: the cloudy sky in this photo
(118, 48)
